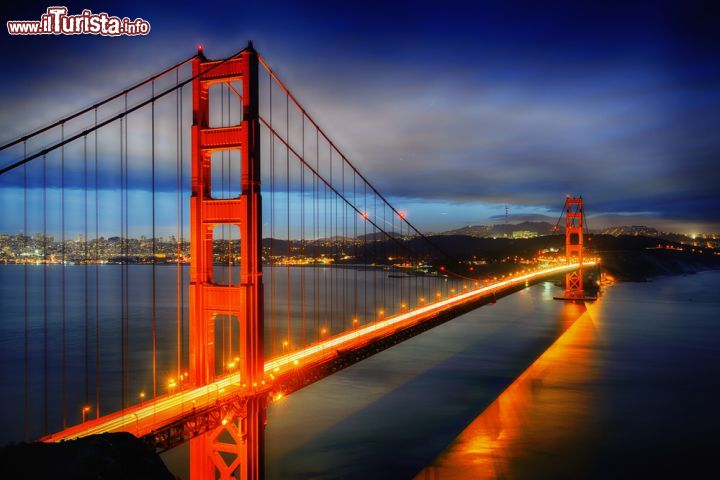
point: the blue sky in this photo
(453, 109)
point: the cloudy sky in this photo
(453, 109)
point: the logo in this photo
(56, 21)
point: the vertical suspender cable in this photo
(355, 253)
(126, 264)
(316, 236)
(181, 273)
(97, 280)
(383, 275)
(122, 274)
(154, 246)
(302, 236)
(332, 291)
(45, 300)
(272, 232)
(62, 271)
(376, 236)
(26, 408)
(327, 272)
(85, 271)
(225, 236)
(222, 247)
(232, 229)
(287, 203)
(342, 252)
(393, 252)
(178, 187)
(365, 254)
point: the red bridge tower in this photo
(233, 449)
(574, 222)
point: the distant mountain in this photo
(644, 231)
(633, 230)
(503, 229)
(379, 236)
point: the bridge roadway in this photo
(149, 416)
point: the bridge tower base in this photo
(234, 448)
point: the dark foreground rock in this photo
(111, 456)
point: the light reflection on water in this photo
(536, 411)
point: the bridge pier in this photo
(233, 450)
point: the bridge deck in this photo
(143, 419)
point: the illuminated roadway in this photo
(147, 416)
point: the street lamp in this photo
(142, 397)
(85, 411)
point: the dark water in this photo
(526, 388)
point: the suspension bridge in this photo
(206, 249)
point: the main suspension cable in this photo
(66, 119)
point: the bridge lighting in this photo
(295, 362)
(422, 299)
(224, 421)
(142, 397)
(85, 411)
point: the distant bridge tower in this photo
(233, 449)
(574, 231)
(574, 245)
